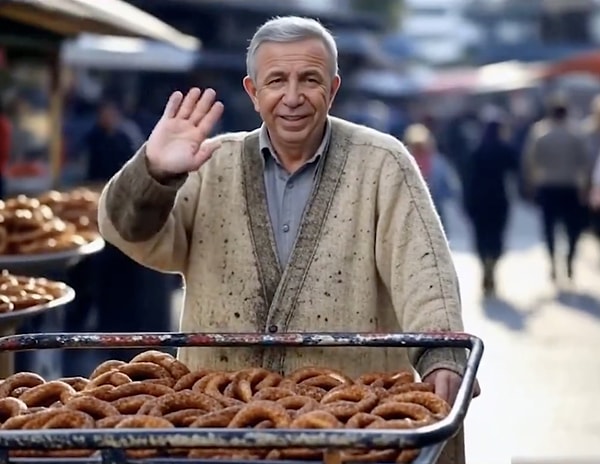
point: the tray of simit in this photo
(153, 409)
(41, 263)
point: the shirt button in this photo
(290, 185)
(273, 329)
(286, 228)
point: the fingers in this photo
(442, 388)
(447, 383)
(200, 108)
(173, 105)
(189, 103)
(209, 120)
(476, 389)
(452, 391)
(203, 106)
(206, 150)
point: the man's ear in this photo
(335, 86)
(250, 89)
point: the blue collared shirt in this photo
(288, 194)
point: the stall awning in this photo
(110, 17)
(498, 77)
(455, 80)
(125, 54)
(507, 76)
(583, 63)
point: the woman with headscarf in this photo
(486, 199)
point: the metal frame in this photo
(113, 442)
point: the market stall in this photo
(23, 298)
(38, 28)
(40, 235)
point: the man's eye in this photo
(275, 81)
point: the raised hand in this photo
(178, 144)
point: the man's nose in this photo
(293, 96)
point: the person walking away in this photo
(435, 169)
(556, 171)
(308, 223)
(485, 197)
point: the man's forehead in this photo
(273, 50)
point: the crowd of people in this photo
(555, 169)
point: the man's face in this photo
(294, 89)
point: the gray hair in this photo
(288, 29)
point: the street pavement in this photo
(540, 372)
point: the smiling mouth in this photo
(293, 118)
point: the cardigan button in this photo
(273, 329)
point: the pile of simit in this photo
(52, 222)
(154, 390)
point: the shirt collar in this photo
(267, 149)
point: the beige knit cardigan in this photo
(370, 254)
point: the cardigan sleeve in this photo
(414, 261)
(150, 222)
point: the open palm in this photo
(178, 144)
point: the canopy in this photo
(126, 54)
(507, 76)
(455, 80)
(110, 17)
(583, 63)
(498, 77)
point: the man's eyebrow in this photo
(275, 73)
(311, 73)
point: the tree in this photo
(389, 10)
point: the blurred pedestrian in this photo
(485, 197)
(438, 174)
(556, 167)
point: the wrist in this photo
(161, 176)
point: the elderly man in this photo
(308, 223)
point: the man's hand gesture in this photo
(178, 144)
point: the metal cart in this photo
(10, 321)
(39, 319)
(112, 443)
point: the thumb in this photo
(205, 152)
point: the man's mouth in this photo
(293, 118)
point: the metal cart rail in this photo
(113, 443)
